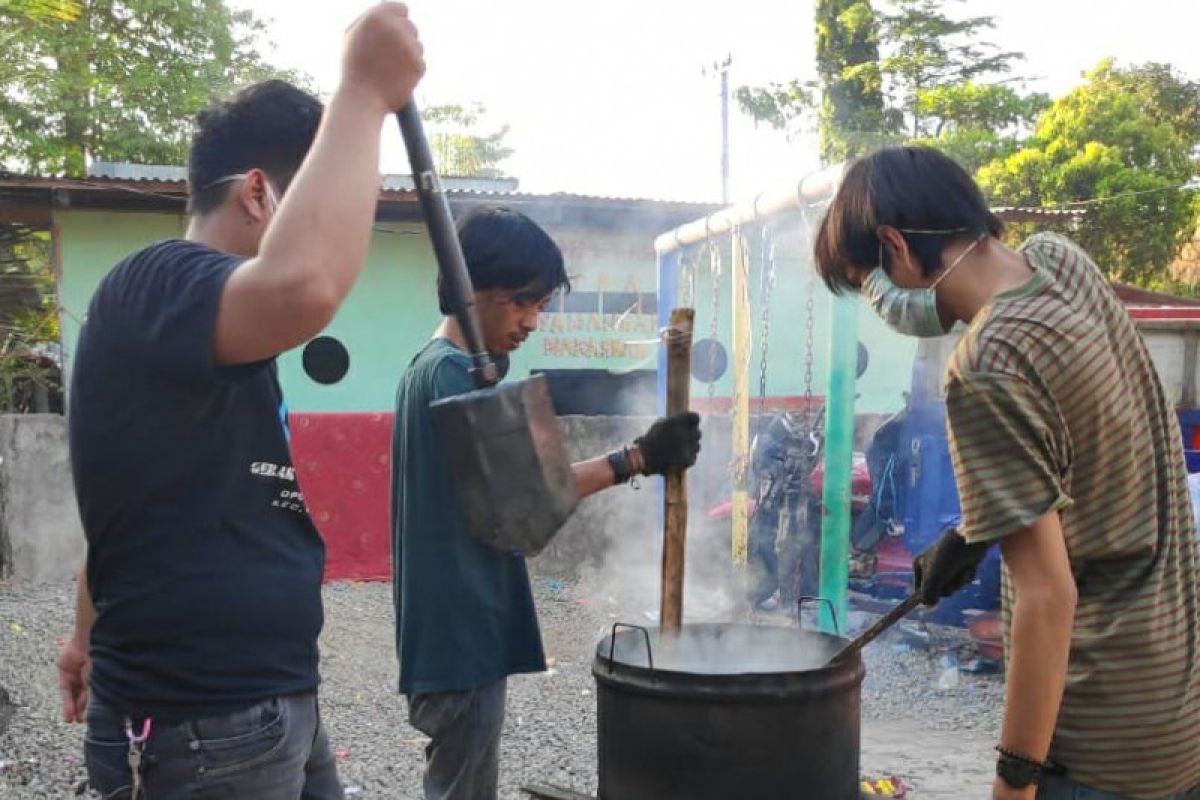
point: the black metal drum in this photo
(727, 712)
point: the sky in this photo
(611, 98)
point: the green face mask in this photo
(912, 312)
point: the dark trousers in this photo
(1057, 787)
(275, 750)
(462, 760)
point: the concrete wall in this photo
(41, 538)
(40, 534)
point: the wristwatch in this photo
(1016, 770)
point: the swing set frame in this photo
(740, 221)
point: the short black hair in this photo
(916, 188)
(505, 249)
(269, 126)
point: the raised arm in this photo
(314, 249)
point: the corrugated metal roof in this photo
(170, 179)
(136, 172)
(392, 183)
(405, 183)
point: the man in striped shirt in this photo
(1067, 453)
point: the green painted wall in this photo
(393, 309)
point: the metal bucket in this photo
(726, 711)
(512, 476)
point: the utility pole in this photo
(722, 68)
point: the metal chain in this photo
(808, 328)
(767, 284)
(687, 283)
(740, 466)
(714, 272)
(808, 345)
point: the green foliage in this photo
(117, 80)
(30, 380)
(1123, 142)
(927, 50)
(780, 105)
(846, 101)
(976, 124)
(915, 70)
(41, 10)
(458, 146)
(852, 112)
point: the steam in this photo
(625, 575)
(724, 649)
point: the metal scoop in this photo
(870, 634)
(505, 449)
(879, 626)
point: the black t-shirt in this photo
(203, 564)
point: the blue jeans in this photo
(462, 759)
(276, 750)
(1057, 787)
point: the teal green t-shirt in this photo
(464, 610)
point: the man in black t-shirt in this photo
(194, 655)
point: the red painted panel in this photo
(343, 462)
(1157, 312)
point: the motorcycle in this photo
(787, 473)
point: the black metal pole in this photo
(446, 247)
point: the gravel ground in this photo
(937, 738)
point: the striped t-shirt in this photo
(1053, 404)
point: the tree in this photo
(30, 373)
(117, 79)
(63, 10)
(1122, 144)
(914, 70)
(783, 106)
(976, 124)
(852, 113)
(928, 50)
(848, 95)
(460, 149)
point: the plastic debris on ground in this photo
(981, 666)
(948, 679)
(916, 636)
(892, 787)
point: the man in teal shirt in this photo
(465, 618)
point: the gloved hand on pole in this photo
(671, 443)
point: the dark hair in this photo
(905, 187)
(505, 249)
(268, 126)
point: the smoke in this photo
(624, 525)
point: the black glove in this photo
(671, 443)
(946, 566)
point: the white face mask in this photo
(272, 198)
(912, 312)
